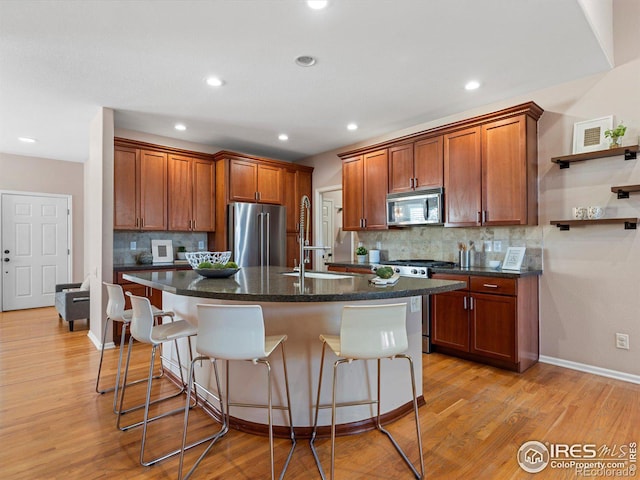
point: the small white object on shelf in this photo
(196, 258)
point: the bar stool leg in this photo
(315, 421)
(291, 431)
(106, 329)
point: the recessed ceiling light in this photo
(27, 139)
(283, 137)
(317, 4)
(306, 60)
(214, 82)
(352, 126)
(472, 85)
(180, 126)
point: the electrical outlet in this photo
(622, 341)
(497, 246)
(133, 245)
(488, 246)
(416, 304)
(201, 244)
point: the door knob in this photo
(6, 251)
(6, 259)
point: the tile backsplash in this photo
(441, 243)
(123, 255)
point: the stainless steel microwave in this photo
(415, 208)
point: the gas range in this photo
(414, 267)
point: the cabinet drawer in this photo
(501, 286)
(452, 276)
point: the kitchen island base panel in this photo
(303, 322)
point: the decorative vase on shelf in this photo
(362, 258)
(615, 142)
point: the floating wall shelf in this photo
(630, 153)
(629, 223)
(624, 190)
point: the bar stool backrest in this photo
(115, 304)
(142, 319)
(232, 332)
(373, 331)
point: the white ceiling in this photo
(384, 64)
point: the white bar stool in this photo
(367, 332)
(143, 330)
(236, 332)
(117, 313)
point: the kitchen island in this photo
(303, 312)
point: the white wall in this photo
(591, 279)
(43, 175)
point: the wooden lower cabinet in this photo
(365, 269)
(494, 320)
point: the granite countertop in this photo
(269, 285)
(125, 267)
(484, 271)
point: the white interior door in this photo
(35, 249)
(327, 231)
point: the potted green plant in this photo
(615, 135)
(361, 253)
(181, 252)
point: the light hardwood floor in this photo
(54, 426)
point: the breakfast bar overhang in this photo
(302, 311)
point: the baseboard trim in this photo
(582, 367)
(96, 342)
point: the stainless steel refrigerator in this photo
(257, 234)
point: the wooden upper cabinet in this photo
(190, 194)
(140, 189)
(364, 191)
(180, 189)
(243, 182)
(290, 200)
(428, 163)
(509, 187)
(416, 166)
(462, 177)
(352, 193)
(401, 174)
(296, 183)
(254, 182)
(375, 169)
(203, 195)
(153, 190)
(126, 211)
(269, 184)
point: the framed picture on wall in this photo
(588, 136)
(513, 258)
(162, 251)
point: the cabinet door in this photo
(462, 178)
(504, 172)
(428, 163)
(352, 193)
(303, 187)
(493, 326)
(179, 193)
(401, 173)
(293, 250)
(269, 184)
(126, 203)
(450, 320)
(203, 175)
(375, 168)
(243, 180)
(290, 199)
(153, 190)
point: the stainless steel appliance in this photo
(257, 234)
(416, 208)
(418, 269)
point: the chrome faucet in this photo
(303, 236)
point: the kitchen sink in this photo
(320, 275)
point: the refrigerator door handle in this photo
(261, 221)
(267, 244)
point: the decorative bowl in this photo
(216, 272)
(196, 258)
(494, 263)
